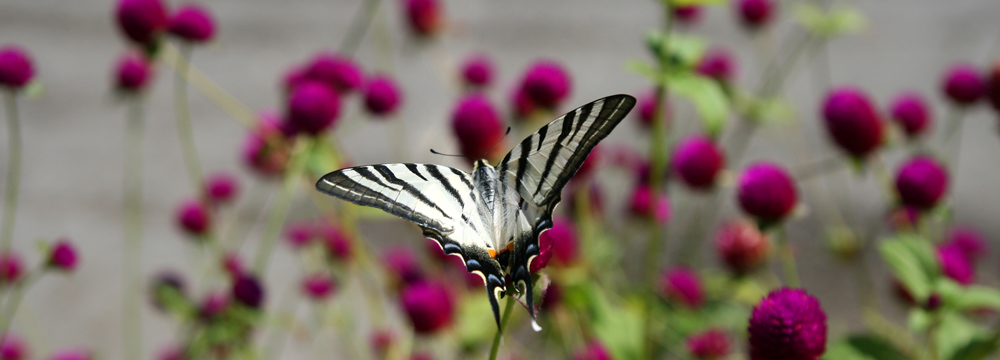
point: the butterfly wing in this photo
(541, 165)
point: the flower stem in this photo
(183, 117)
(503, 325)
(209, 89)
(12, 303)
(281, 205)
(952, 135)
(132, 247)
(787, 258)
(359, 26)
(13, 170)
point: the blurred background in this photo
(73, 131)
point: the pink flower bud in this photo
(338, 244)
(381, 341)
(921, 182)
(476, 124)
(717, 64)
(546, 84)
(142, 20)
(963, 84)
(955, 265)
(687, 15)
(214, 304)
(788, 324)
(755, 13)
(741, 246)
(13, 347)
(697, 159)
(232, 264)
(16, 69)
(318, 286)
(11, 268)
(766, 192)
(429, 306)
(852, 121)
(248, 291)
(911, 112)
(403, 265)
(642, 204)
(63, 256)
(193, 218)
(338, 72)
(192, 23)
(683, 286)
(132, 73)
(424, 16)
(593, 351)
(969, 241)
(647, 105)
(266, 150)
(222, 187)
(312, 108)
(713, 344)
(562, 241)
(382, 96)
(477, 71)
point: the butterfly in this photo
(491, 218)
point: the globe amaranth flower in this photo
(338, 245)
(647, 106)
(77, 354)
(683, 286)
(13, 347)
(476, 124)
(132, 73)
(712, 344)
(593, 351)
(546, 84)
(766, 192)
(717, 64)
(963, 84)
(403, 265)
(193, 218)
(968, 241)
(697, 160)
(11, 267)
(921, 182)
(312, 108)
(755, 13)
(248, 291)
(142, 21)
(642, 204)
(788, 324)
(911, 112)
(562, 241)
(521, 104)
(192, 23)
(338, 72)
(429, 306)
(222, 187)
(687, 14)
(318, 286)
(852, 122)
(232, 264)
(955, 265)
(424, 17)
(477, 71)
(552, 297)
(382, 96)
(63, 256)
(214, 304)
(741, 246)
(16, 68)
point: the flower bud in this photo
(963, 84)
(921, 182)
(698, 160)
(683, 286)
(424, 16)
(266, 149)
(381, 341)
(11, 268)
(766, 192)
(741, 246)
(142, 20)
(222, 187)
(429, 306)
(755, 13)
(213, 304)
(13, 347)
(338, 72)
(563, 241)
(312, 108)
(248, 291)
(382, 96)
(788, 324)
(687, 15)
(318, 286)
(132, 73)
(593, 351)
(717, 64)
(968, 241)
(192, 23)
(477, 71)
(852, 122)
(300, 234)
(16, 69)
(63, 256)
(955, 265)
(546, 84)
(911, 112)
(193, 218)
(642, 204)
(712, 344)
(647, 105)
(403, 265)
(476, 124)
(338, 244)
(232, 264)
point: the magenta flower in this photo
(193, 218)
(788, 324)
(546, 84)
(429, 306)
(683, 286)
(63, 256)
(477, 71)
(955, 265)
(970, 242)
(312, 108)
(192, 23)
(741, 246)
(993, 85)
(911, 112)
(338, 72)
(476, 124)
(172, 352)
(563, 241)
(921, 182)
(593, 351)
(72, 355)
(552, 297)
(712, 344)
(755, 13)
(687, 15)
(142, 21)
(647, 105)
(424, 16)
(963, 84)
(521, 104)
(16, 68)
(766, 192)
(132, 73)
(698, 160)
(852, 121)
(544, 253)
(642, 204)
(717, 64)
(403, 265)
(222, 187)
(318, 286)
(232, 264)
(382, 96)
(214, 304)
(13, 347)
(11, 267)
(266, 150)
(248, 291)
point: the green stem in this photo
(132, 247)
(279, 211)
(10, 307)
(13, 170)
(952, 134)
(787, 257)
(183, 117)
(359, 26)
(503, 325)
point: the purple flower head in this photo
(142, 20)
(213, 304)
(647, 105)
(963, 84)
(544, 253)
(300, 234)
(921, 182)
(338, 72)
(642, 204)
(476, 124)
(852, 121)
(13, 347)
(934, 302)
(755, 13)
(78, 354)
(192, 23)
(193, 218)
(266, 150)
(477, 71)
(546, 84)
(338, 244)
(562, 239)
(132, 72)
(717, 64)
(697, 159)
(552, 297)
(429, 306)
(593, 351)
(993, 85)
(312, 108)
(382, 96)
(911, 112)
(248, 291)
(401, 263)
(222, 187)
(970, 242)
(687, 15)
(955, 265)
(424, 16)
(766, 192)
(521, 104)
(741, 246)
(683, 286)
(232, 264)
(63, 256)
(712, 344)
(788, 324)
(318, 286)
(11, 267)
(16, 69)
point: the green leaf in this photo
(974, 297)
(473, 314)
(682, 51)
(911, 259)
(953, 333)
(707, 97)
(837, 21)
(646, 70)
(863, 347)
(35, 89)
(918, 320)
(977, 349)
(846, 20)
(618, 327)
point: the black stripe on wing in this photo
(477, 261)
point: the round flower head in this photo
(788, 324)
(521, 104)
(232, 264)
(13, 347)
(63, 256)
(647, 105)
(429, 306)
(266, 149)
(911, 112)
(552, 297)
(642, 204)
(72, 355)
(970, 242)
(213, 304)
(382, 96)
(593, 351)
(142, 20)
(248, 291)
(546, 84)
(755, 13)
(955, 265)
(852, 121)
(709, 345)
(697, 159)
(132, 73)
(401, 262)
(963, 84)
(424, 16)
(193, 218)
(687, 15)
(477, 71)
(683, 286)
(717, 64)
(921, 182)
(318, 286)
(562, 240)
(312, 108)
(16, 69)
(476, 124)
(741, 246)
(544, 253)
(338, 245)
(11, 268)
(222, 187)
(993, 85)
(766, 192)
(192, 23)
(338, 72)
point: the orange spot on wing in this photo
(493, 253)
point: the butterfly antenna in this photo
(497, 144)
(435, 152)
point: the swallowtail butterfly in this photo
(492, 217)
